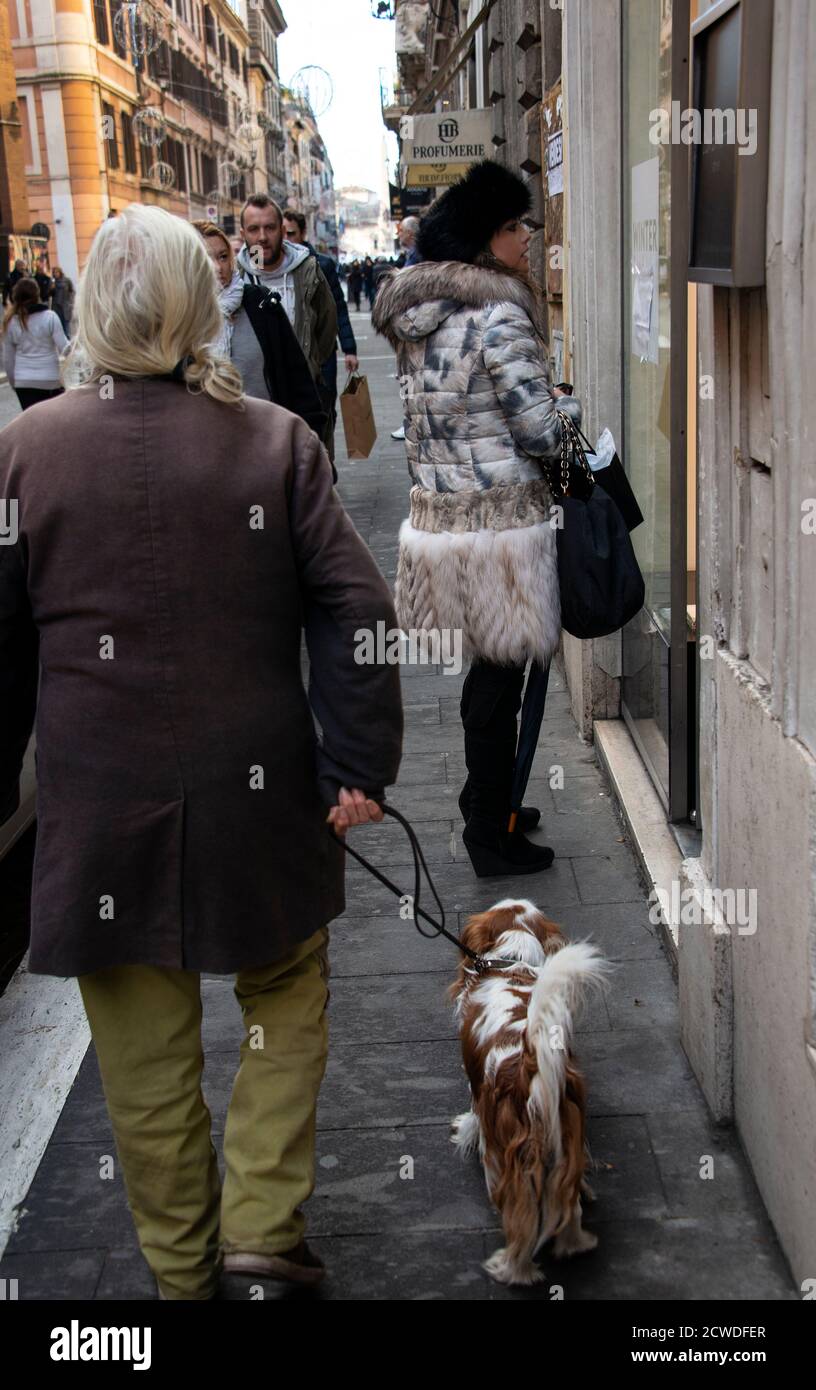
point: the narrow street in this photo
(396, 1215)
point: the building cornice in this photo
(279, 22)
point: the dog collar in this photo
(484, 963)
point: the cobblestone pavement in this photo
(394, 1078)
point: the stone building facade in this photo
(309, 174)
(110, 117)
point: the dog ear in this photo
(483, 929)
(547, 931)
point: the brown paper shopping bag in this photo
(358, 417)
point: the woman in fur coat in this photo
(478, 550)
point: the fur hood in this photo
(413, 302)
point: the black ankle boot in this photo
(527, 819)
(494, 853)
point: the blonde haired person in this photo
(168, 556)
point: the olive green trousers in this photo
(146, 1025)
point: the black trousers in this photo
(491, 699)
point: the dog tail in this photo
(557, 996)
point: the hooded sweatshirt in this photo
(279, 279)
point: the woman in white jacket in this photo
(478, 551)
(33, 342)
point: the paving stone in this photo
(385, 1086)
(592, 834)
(422, 770)
(126, 1275)
(56, 1276)
(674, 1259)
(683, 1142)
(405, 1267)
(622, 931)
(387, 843)
(642, 994)
(606, 878)
(401, 1008)
(359, 1188)
(458, 886)
(623, 1173)
(70, 1207)
(84, 1116)
(420, 716)
(362, 946)
(636, 1071)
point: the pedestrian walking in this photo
(258, 337)
(355, 284)
(294, 227)
(478, 552)
(45, 283)
(16, 274)
(292, 272)
(368, 280)
(408, 232)
(62, 299)
(170, 553)
(33, 341)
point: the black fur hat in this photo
(461, 223)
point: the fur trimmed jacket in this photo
(478, 550)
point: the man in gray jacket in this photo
(293, 273)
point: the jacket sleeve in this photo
(19, 669)
(325, 316)
(515, 360)
(357, 703)
(345, 332)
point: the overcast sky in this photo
(342, 37)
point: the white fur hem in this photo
(499, 588)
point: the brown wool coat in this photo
(134, 525)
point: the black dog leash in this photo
(481, 964)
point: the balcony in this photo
(394, 102)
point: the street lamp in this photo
(383, 9)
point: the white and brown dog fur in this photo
(528, 1097)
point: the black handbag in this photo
(599, 577)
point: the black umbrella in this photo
(532, 713)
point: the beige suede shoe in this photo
(299, 1265)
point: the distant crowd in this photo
(282, 303)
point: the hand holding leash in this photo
(353, 808)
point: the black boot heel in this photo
(511, 855)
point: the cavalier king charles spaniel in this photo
(528, 1097)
